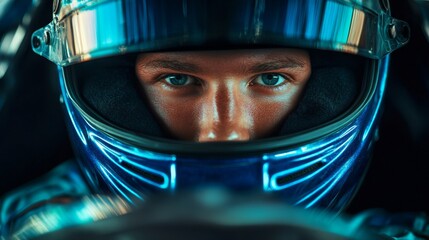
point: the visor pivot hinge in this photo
(392, 31)
(36, 42)
(400, 31)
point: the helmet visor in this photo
(82, 31)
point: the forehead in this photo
(225, 61)
(245, 55)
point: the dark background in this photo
(398, 177)
(33, 136)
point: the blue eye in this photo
(270, 79)
(178, 79)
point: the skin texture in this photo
(229, 95)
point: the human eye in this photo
(270, 80)
(178, 80)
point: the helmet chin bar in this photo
(323, 173)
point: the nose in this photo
(224, 116)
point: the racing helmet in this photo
(319, 156)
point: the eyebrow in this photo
(277, 64)
(172, 65)
(189, 67)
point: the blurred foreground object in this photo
(214, 213)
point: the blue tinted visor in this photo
(83, 30)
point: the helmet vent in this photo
(299, 174)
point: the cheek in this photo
(267, 118)
(179, 117)
(269, 115)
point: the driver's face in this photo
(230, 95)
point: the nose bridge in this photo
(224, 115)
(226, 101)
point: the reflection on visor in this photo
(112, 27)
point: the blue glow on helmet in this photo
(378, 100)
(321, 167)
